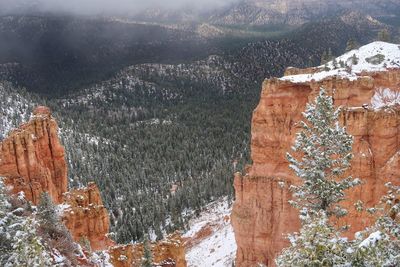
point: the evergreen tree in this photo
(323, 154)
(323, 151)
(28, 249)
(20, 244)
(384, 36)
(53, 231)
(317, 244)
(7, 218)
(352, 44)
(380, 244)
(354, 59)
(147, 255)
(324, 58)
(335, 64)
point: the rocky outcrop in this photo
(86, 217)
(261, 214)
(169, 252)
(32, 159)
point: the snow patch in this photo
(373, 57)
(217, 249)
(371, 240)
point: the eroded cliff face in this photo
(86, 216)
(261, 215)
(32, 160)
(166, 253)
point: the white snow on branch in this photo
(371, 240)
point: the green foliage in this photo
(28, 249)
(384, 35)
(317, 244)
(352, 44)
(20, 245)
(147, 255)
(376, 59)
(323, 151)
(53, 231)
(354, 59)
(379, 245)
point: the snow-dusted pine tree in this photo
(147, 255)
(19, 243)
(28, 249)
(322, 155)
(317, 244)
(379, 245)
(323, 151)
(54, 232)
(7, 218)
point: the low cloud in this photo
(106, 7)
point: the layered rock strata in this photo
(85, 214)
(32, 158)
(167, 253)
(32, 161)
(261, 215)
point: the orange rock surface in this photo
(261, 214)
(169, 252)
(86, 217)
(32, 158)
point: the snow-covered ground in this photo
(211, 241)
(376, 56)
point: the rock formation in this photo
(32, 160)
(167, 253)
(86, 216)
(261, 214)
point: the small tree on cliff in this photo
(323, 151)
(147, 255)
(53, 231)
(379, 245)
(322, 155)
(20, 244)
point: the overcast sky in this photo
(95, 7)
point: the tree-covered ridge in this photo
(162, 140)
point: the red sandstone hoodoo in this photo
(261, 215)
(32, 160)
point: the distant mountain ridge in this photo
(296, 12)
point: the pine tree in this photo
(147, 255)
(352, 44)
(354, 59)
(323, 153)
(335, 64)
(7, 218)
(20, 244)
(379, 245)
(53, 231)
(384, 36)
(317, 244)
(28, 249)
(324, 58)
